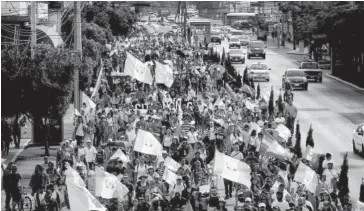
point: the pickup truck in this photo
(312, 70)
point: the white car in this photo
(358, 140)
(234, 43)
(259, 71)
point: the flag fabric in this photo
(137, 69)
(230, 91)
(249, 105)
(171, 164)
(267, 141)
(119, 155)
(88, 101)
(108, 186)
(98, 82)
(359, 206)
(146, 143)
(81, 199)
(163, 74)
(309, 153)
(306, 176)
(169, 176)
(283, 132)
(278, 151)
(72, 176)
(255, 126)
(232, 169)
(77, 113)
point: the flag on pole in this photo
(108, 186)
(267, 141)
(81, 199)
(146, 143)
(137, 69)
(278, 151)
(232, 169)
(88, 101)
(119, 155)
(163, 74)
(309, 153)
(283, 132)
(306, 176)
(72, 176)
(98, 82)
(171, 164)
(169, 176)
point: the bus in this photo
(200, 29)
(232, 17)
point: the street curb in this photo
(345, 82)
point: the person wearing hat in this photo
(330, 176)
(141, 186)
(178, 187)
(262, 206)
(151, 173)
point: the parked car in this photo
(256, 49)
(358, 140)
(237, 55)
(295, 78)
(259, 71)
(312, 70)
(234, 43)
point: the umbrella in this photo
(217, 66)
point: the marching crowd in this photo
(206, 109)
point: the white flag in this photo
(146, 143)
(88, 101)
(171, 164)
(309, 153)
(306, 176)
(283, 132)
(73, 177)
(163, 74)
(169, 176)
(137, 69)
(108, 186)
(232, 169)
(119, 155)
(98, 82)
(81, 199)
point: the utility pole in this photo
(33, 19)
(78, 47)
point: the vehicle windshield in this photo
(310, 65)
(234, 40)
(244, 38)
(296, 73)
(257, 45)
(237, 33)
(215, 39)
(235, 51)
(258, 67)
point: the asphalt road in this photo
(333, 109)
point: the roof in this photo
(240, 14)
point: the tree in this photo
(252, 85)
(309, 139)
(223, 56)
(297, 147)
(246, 76)
(343, 182)
(46, 86)
(280, 103)
(258, 91)
(271, 103)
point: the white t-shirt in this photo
(280, 120)
(192, 137)
(131, 135)
(90, 153)
(282, 205)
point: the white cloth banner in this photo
(283, 132)
(146, 143)
(137, 69)
(81, 199)
(73, 177)
(232, 169)
(169, 177)
(88, 101)
(306, 176)
(171, 164)
(108, 186)
(163, 74)
(119, 155)
(308, 154)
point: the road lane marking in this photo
(337, 133)
(335, 97)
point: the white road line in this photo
(335, 97)
(337, 133)
(316, 117)
(358, 110)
